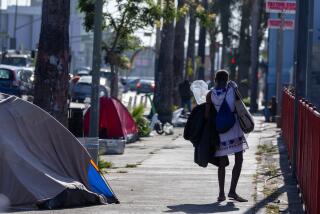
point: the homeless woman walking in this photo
(214, 130)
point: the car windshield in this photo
(83, 88)
(5, 74)
(147, 81)
(15, 61)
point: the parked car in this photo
(82, 73)
(26, 80)
(130, 84)
(16, 81)
(82, 68)
(18, 60)
(82, 89)
(145, 86)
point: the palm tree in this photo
(255, 22)
(225, 15)
(164, 78)
(178, 56)
(202, 45)
(191, 41)
(244, 48)
(52, 68)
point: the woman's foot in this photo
(236, 197)
(221, 198)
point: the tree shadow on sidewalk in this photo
(203, 208)
(293, 205)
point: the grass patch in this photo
(258, 159)
(266, 149)
(271, 170)
(102, 164)
(254, 196)
(132, 165)
(152, 153)
(267, 191)
(122, 171)
(272, 209)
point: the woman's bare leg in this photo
(235, 177)
(221, 177)
(236, 171)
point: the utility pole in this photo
(279, 57)
(14, 39)
(96, 64)
(300, 59)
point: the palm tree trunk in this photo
(191, 42)
(212, 55)
(52, 68)
(178, 57)
(114, 81)
(164, 84)
(244, 49)
(255, 22)
(202, 46)
(225, 15)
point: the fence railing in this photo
(308, 147)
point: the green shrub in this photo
(141, 121)
(246, 101)
(102, 164)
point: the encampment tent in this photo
(115, 120)
(42, 163)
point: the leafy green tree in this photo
(122, 21)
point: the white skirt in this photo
(232, 141)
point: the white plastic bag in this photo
(200, 90)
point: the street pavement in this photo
(158, 175)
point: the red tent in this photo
(115, 120)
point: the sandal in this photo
(221, 198)
(236, 197)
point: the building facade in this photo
(288, 57)
(28, 31)
(313, 62)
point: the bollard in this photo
(92, 146)
(135, 102)
(130, 104)
(145, 102)
(141, 101)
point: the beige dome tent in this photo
(42, 163)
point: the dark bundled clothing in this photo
(201, 131)
(184, 90)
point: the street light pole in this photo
(300, 58)
(14, 40)
(96, 63)
(279, 57)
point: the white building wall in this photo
(27, 37)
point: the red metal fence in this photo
(308, 148)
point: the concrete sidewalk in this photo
(157, 175)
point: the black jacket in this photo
(200, 130)
(184, 90)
